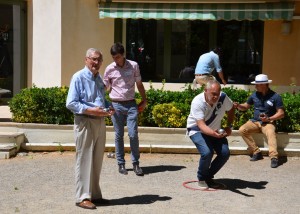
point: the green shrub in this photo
(290, 123)
(240, 96)
(160, 96)
(169, 115)
(164, 109)
(41, 105)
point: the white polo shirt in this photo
(201, 110)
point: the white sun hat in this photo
(261, 79)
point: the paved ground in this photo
(44, 183)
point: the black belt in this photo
(88, 116)
(126, 101)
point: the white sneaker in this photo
(203, 185)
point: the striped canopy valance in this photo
(254, 11)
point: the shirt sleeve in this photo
(279, 102)
(137, 73)
(217, 65)
(73, 97)
(197, 111)
(227, 103)
(250, 100)
(106, 77)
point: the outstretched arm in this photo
(143, 104)
(221, 75)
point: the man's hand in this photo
(224, 82)
(228, 131)
(142, 105)
(218, 135)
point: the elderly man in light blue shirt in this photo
(86, 99)
(206, 64)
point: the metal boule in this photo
(221, 131)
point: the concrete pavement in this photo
(44, 183)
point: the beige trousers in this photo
(90, 136)
(202, 80)
(255, 127)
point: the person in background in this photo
(268, 107)
(120, 78)
(203, 126)
(206, 64)
(86, 99)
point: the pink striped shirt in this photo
(122, 80)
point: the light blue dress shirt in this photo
(207, 63)
(85, 91)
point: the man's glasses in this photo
(95, 59)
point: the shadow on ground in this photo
(235, 185)
(139, 199)
(161, 168)
(282, 160)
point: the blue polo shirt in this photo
(267, 104)
(207, 63)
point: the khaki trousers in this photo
(202, 80)
(90, 136)
(255, 127)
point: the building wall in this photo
(59, 33)
(82, 29)
(281, 57)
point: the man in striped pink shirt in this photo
(120, 78)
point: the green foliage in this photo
(240, 96)
(160, 96)
(41, 105)
(290, 123)
(169, 115)
(164, 109)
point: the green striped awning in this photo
(254, 11)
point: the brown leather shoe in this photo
(86, 204)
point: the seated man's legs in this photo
(246, 130)
(269, 131)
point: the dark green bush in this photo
(164, 109)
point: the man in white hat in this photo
(268, 107)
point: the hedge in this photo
(164, 109)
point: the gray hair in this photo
(93, 50)
(210, 83)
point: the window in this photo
(12, 46)
(169, 49)
(6, 47)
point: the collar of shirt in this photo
(125, 65)
(89, 74)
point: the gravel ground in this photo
(44, 183)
